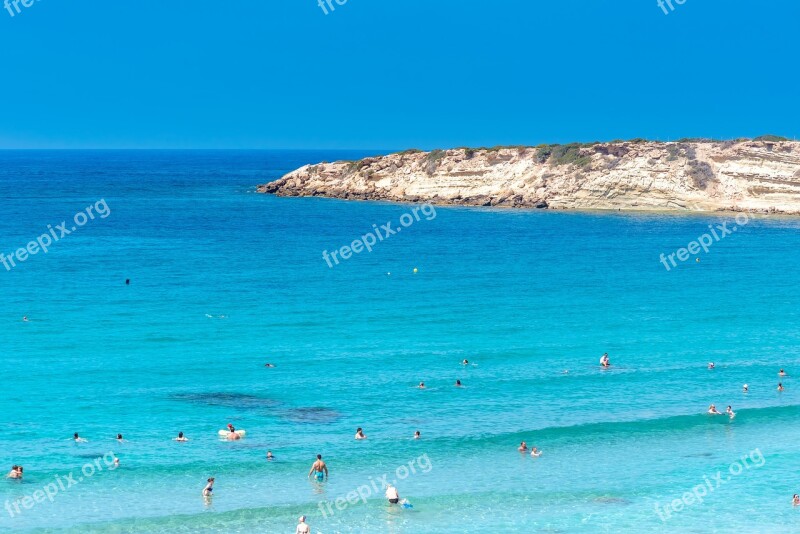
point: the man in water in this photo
(781, 373)
(458, 383)
(181, 437)
(604, 361)
(523, 447)
(360, 434)
(730, 412)
(270, 456)
(77, 438)
(302, 528)
(392, 495)
(710, 365)
(712, 410)
(417, 435)
(16, 472)
(421, 385)
(319, 469)
(780, 386)
(465, 362)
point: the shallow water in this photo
(524, 295)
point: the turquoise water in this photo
(524, 295)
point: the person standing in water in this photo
(270, 456)
(604, 361)
(209, 489)
(780, 386)
(319, 469)
(730, 412)
(417, 435)
(360, 434)
(523, 447)
(392, 495)
(302, 527)
(796, 500)
(181, 437)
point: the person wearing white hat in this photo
(302, 528)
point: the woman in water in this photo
(270, 457)
(16, 472)
(780, 386)
(360, 434)
(730, 412)
(535, 452)
(209, 489)
(713, 410)
(416, 435)
(604, 361)
(796, 500)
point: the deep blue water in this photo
(224, 280)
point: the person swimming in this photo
(417, 435)
(209, 489)
(181, 437)
(119, 438)
(745, 388)
(730, 412)
(319, 469)
(535, 452)
(604, 361)
(421, 385)
(712, 410)
(710, 365)
(270, 456)
(16, 472)
(24, 318)
(458, 384)
(780, 386)
(77, 438)
(781, 373)
(523, 447)
(796, 500)
(268, 365)
(360, 434)
(465, 362)
(232, 434)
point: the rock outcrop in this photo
(761, 175)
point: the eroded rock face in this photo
(743, 175)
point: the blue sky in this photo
(393, 74)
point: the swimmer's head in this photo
(319, 457)
(180, 434)
(75, 435)
(119, 436)
(211, 479)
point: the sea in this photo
(169, 283)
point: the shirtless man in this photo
(319, 469)
(181, 437)
(523, 447)
(16, 472)
(302, 528)
(392, 495)
(77, 438)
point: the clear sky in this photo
(393, 74)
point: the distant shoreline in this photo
(755, 176)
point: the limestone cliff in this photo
(743, 175)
